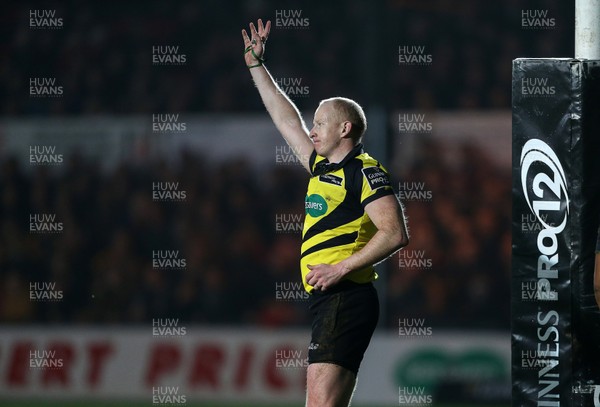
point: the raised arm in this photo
(282, 110)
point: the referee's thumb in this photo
(310, 267)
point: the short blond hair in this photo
(348, 110)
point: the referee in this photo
(353, 221)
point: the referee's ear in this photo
(346, 129)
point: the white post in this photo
(587, 29)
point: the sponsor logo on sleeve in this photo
(376, 177)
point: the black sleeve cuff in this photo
(379, 194)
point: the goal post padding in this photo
(556, 210)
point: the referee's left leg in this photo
(329, 385)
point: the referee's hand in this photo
(324, 276)
(255, 46)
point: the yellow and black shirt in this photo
(336, 224)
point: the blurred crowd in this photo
(102, 260)
(102, 54)
(239, 267)
(456, 270)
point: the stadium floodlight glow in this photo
(587, 29)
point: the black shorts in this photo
(344, 318)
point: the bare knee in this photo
(329, 385)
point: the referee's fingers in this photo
(245, 37)
(253, 30)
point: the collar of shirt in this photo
(324, 166)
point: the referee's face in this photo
(325, 134)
